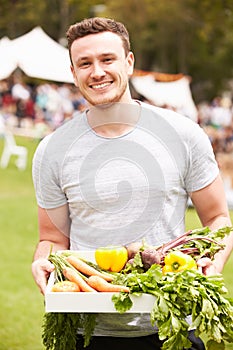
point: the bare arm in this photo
(54, 228)
(211, 206)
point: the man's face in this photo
(101, 69)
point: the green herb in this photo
(122, 302)
(60, 330)
(204, 242)
(89, 322)
(177, 296)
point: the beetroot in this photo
(197, 243)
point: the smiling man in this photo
(120, 172)
(101, 67)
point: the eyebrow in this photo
(105, 54)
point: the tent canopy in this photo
(172, 91)
(37, 55)
(8, 61)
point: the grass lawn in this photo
(21, 303)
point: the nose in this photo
(97, 71)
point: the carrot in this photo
(101, 285)
(86, 269)
(74, 276)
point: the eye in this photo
(84, 64)
(108, 60)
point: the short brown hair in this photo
(97, 25)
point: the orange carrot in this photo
(74, 276)
(101, 285)
(86, 269)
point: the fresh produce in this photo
(111, 258)
(198, 243)
(65, 286)
(74, 276)
(59, 330)
(176, 261)
(180, 290)
(88, 270)
(101, 285)
(178, 295)
(85, 274)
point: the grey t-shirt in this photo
(124, 189)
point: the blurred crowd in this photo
(216, 118)
(41, 108)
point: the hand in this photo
(41, 269)
(207, 267)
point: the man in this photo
(120, 172)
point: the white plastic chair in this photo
(12, 149)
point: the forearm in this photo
(44, 248)
(220, 259)
(222, 256)
(219, 221)
(54, 228)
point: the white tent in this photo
(41, 57)
(37, 55)
(174, 94)
(8, 61)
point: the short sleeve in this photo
(203, 168)
(45, 174)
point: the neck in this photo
(112, 120)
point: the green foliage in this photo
(59, 330)
(182, 36)
(179, 295)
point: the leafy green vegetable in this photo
(179, 295)
(60, 330)
(122, 302)
(205, 242)
(89, 322)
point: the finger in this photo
(41, 270)
(48, 267)
(204, 262)
(210, 270)
(42, 286)
(42, 265)
(41, 280)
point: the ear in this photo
(74, 75)
(130, 63)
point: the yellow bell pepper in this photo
(177, 261)
(111, 258)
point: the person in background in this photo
(119, 172)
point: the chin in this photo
(104, 105)
(104, 102)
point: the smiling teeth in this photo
(100, 86)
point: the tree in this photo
(182, 36)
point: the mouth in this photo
(100, 86)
